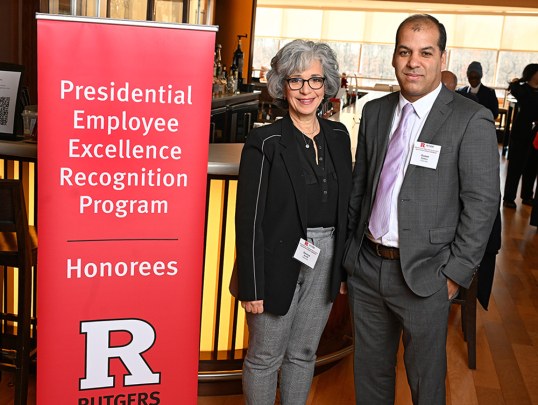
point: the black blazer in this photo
(486, 97)
(527, 112)
(271, 212)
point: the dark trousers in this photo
(523, 161)
(383, 308)
(534, 212)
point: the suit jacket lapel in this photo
(384, 124)
(291, 158)
(437, 116)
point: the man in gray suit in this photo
(425, 194)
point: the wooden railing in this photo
(24, 169)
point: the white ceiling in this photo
(366, 5)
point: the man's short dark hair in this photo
(419, 21)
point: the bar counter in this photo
(18, 148)
(232, 99)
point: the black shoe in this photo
(528, 201)
(509, 204)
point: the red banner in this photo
(124, 112)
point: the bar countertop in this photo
(19, 149)
(224, 158)
(231, 99)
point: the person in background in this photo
(418, 221)
(486, 96)
(486, 271)
(294, 185)
(523, 157)
(450, 80)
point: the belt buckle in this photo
(377, 250)
(389, 252)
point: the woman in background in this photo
(523, 158)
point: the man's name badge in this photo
(307, 253)
(425, 155)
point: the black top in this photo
(527, 103)
(486, 97)
(321, 180)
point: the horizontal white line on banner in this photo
(115, 21)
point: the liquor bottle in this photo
(215, 64)
(230, 85)
(236, 81)
(238, 56)
(215, 88)
(219, 59)
(223, 80)
(233, 68)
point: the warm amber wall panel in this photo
(234, 17)
(8, 31)
(18, 38)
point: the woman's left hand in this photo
(343, 288)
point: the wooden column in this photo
(18, 29)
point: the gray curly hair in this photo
(297, 56)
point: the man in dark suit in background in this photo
(486, 96)
(486, 271)
(424, 197)
(450, 80)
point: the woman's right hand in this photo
(515, 79)
(256, 307)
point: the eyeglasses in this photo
(315, 83)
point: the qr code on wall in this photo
(4, 107)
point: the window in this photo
(199, 11)
(169, 11)
(511, 64)
(461, 58)
(264, 50)
(130, 9)
(348, 55)
(364, 40)
(376, 61)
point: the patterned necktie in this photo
(379, 221)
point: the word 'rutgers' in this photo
(139, 398)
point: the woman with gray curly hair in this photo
(291, 218)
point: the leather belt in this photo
(386, 252)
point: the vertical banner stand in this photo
(124, 110)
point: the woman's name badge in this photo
(307, 253)
(425, 155)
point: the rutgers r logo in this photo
(422, 145)
(99, 352)
(306, 243)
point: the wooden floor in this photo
(507, 336)
(507, 339)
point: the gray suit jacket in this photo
(445, 215)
